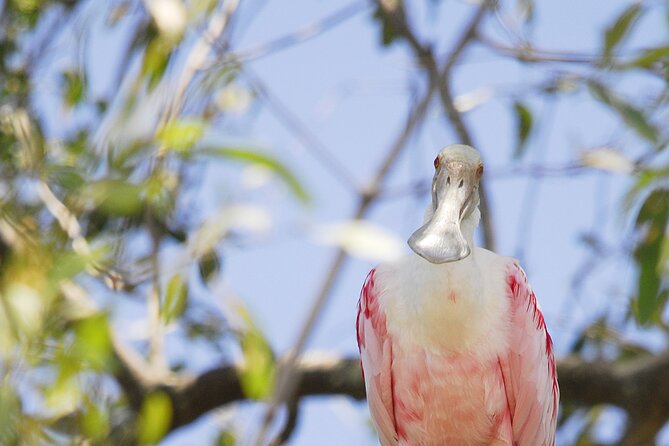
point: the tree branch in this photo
(396, 16)
(639, 386)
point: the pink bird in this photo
(453, 345)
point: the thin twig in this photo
(308, 139)
(288, 378)
(197, 58)
(397, 15)
(296, 37)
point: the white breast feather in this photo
(460, 306)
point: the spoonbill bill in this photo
(453, 344)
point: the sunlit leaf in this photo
(257, 373)
(10, 409)
(170, 17)
(115, 197)
(155, 418)
(176, 298)
(156, 57)
(648, 58)
(631, 115)
(652, 223)
(64, 396)
(523, 127)
(181, 135)
(473, 99)
(644, 180)
(94, 422)
(362, 239)
(621, 28)
(226, 438)
(69, 264)
(26, 307)
(159, 191)
(608, 159)
(92, 342)
(233, 99)
(255, 157)
(243, 218)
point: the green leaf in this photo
(94, 422)
(523, 127)
(92, 343)
(181, 135)
(176, 298)
(156, 57)
(67, 177)
(257, 373)
(632, 116)
(155, 418)
(115, 197)
(652, 223)
(10, 410)
(620, 29)
(648, 58)
(226, 438)
(261, 159)
(644, 180)
(75, 88)
(209, 265)
(388, 32)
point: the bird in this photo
(453, 344)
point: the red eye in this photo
(436, 163)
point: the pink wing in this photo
(376, 358)
(529, 368)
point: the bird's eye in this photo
(436, 163)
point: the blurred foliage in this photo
(90, 204)
(85, 219)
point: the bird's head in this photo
(454, 209)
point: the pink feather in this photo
(423, 397)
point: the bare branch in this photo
(293, 123)
(441, 78)
(638, 385)
(298, 36)
(288, 378)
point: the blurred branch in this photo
(197, 57)
(527, 53)
(299, 36)
(638, 385)
(302, 132)
(396, 15)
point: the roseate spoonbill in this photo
(453, 345)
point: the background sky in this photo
(352, 94)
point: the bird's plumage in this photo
(456, 354)
(453, 345)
